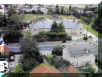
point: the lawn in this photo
(26, 17)
(35, 16)
(90, 29)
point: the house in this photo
(72, 69)
(45, 70)
(2, 8)
(80, 53)
(72, 28)
(4, 50)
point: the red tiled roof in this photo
(4, 49)
(45, 71)
(72, 69)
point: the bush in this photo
(60, 36)
(47, 36)
(12, 36)
(88, 69)
(59, 62)
(58, 50)
(18, 74)
(41, 37)
(18, 69)
(50, 56)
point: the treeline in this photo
(11, 28)
(98, 20)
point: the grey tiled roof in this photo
(47, 24)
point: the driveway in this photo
(13, 64)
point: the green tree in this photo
(54, 27)
(11, 10)
(70, 7)
(98, 21)
(62, 10)
(31, 55)
(58, 50)
(57, 9)
(11, 27)
(61, 27)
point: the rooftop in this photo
(72, 69)
(45, 69)
(46, 24)
(80, 53)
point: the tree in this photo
(58, 50)
(11, 27)
(11, 10)
(54, 27)
(70, 8)
(57, 9)
(57, 32)
(62, 10)
(61, 27)
(86, 8)
(98, 21)
(31, 55)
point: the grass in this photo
(81, 38)
(26, 17)
(35, 17)
(90, 29)
(50, 56)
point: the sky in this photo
(50, 2)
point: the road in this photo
(14, 47)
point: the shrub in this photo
(12, 36)
(58, 50)
(18, 69)
(18, 74)
(56, 36)
(59, 62)
(50, 56)
(69, 38)
(41, 37)
(88, 69)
